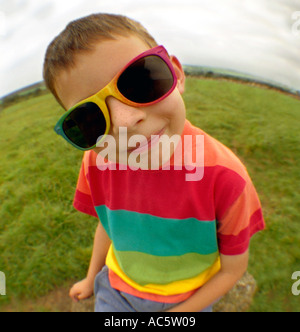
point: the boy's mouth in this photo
(148, 144)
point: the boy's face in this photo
(93, 70)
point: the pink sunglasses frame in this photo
(111, 89)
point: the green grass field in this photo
(45, 243)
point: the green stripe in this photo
(132, 231)
(145, 269)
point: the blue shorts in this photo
(108, 299)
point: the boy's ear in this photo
(179, 73)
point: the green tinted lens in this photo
(84, 125)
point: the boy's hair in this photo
(80, 36)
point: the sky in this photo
(257, 37)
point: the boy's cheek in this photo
(176, 109)
(173, 106)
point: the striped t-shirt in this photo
(167, 233)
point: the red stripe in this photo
(237, 245)
(83, 203)
(228, 187)
(166, 193)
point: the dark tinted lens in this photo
(146, 80)
(84, 125)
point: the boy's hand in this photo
(82, 290)
(232, 269)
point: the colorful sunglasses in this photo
(146, 80)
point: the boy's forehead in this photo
(94, 69)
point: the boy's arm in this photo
(85, 288)
(232, 269)
(101, 246)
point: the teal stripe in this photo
(133, 231)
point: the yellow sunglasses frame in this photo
(111, 89)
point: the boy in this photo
(165, 242)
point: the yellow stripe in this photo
(174, 288)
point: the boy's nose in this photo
(123, 115)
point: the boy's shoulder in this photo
(216, 153)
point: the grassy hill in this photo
(45, 243)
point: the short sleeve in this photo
(239, 213)
(83, 201)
